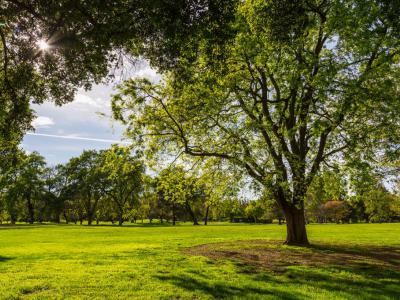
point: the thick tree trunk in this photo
(296, 233)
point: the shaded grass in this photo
(357, 261)
(275, 257)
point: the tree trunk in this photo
(191, 212)
(173, 215)
(120, 218)
(296, 233)
(30, 210)
(206, 217)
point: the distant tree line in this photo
(112, 186)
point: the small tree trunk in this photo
(173, 215)
(206, 217)
(120, 218)
(30, 210)
(65, 217)
(191, 212)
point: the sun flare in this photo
(43, 45)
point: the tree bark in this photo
(173, 215)
(296, 233)
(191, 212)
(120, 218)
(206, 217)
(30, 210)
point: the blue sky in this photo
(63, 132)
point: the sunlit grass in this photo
(149, 262)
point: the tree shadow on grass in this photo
(221, 290)
(133, 225)
(4, 258)
(27, 226)
(370, 272)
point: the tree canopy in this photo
(288, 95)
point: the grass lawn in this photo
(358, 261)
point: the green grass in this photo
(149, 262)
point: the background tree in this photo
(329, 185)
(122, 174)
(336, 210)
(380, 204)
(218, 182)
(28, 182)
(85, 182)
(179, 190)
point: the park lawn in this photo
(161, 262)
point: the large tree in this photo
(294, 84)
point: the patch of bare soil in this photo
(273, 256)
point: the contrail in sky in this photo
(69, 137)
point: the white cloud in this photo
(148, 73)
(42, 122)
(85, 100)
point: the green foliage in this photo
(300, 84)
(380, 205)
(78, 55)
(23, 186)
(122, 174)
